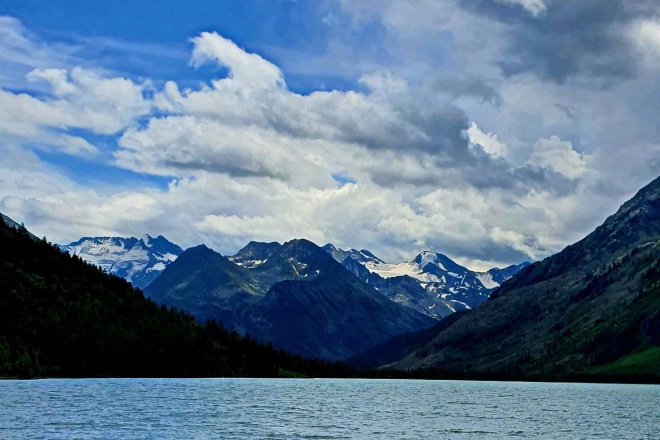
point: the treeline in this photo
(62, 317)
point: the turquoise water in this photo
(324, 409)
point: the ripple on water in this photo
(324, 409)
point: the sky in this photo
(492, 131)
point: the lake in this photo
(324, 409)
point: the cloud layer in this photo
(491, 159)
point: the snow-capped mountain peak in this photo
(362, 256)
(146, 239)
(431, 283)
(495, 277)
(138, 261)
(427, 267)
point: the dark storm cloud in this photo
(442, 129)
(406, 125)
(478, 169)
(231, 165)
(571, 38)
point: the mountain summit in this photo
(139, 261)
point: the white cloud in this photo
(534, 7)
(488, 141)
(77, 99)
(185, 145)
(558, 156)
(83, 99)
(647, 34)
(246, 68)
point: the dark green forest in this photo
(62, 317)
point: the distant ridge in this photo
(431, 283)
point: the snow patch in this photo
(487, 280)
(157, 267)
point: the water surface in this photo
(324, 409)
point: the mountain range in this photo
(293, 295)
(431, 283)
(63, 317)
(345, 301)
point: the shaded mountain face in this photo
(293, 295)
(592, 308)
(333, 316)
(254, 254)
(431, 283)
(294, 260)
(208, 285)
(139, 261)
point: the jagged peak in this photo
(370, 254)
(300, 241)
(426, 257)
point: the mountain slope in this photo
(333, 316)
(592, 308)
(206, 284)
(139, 261)
(495, 277)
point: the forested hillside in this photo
(62, 317)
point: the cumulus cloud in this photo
(246, 68)
(76, 99)
(558, 156)
(250, 124)
(488, 141)
(184, 145)
(89, 101)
